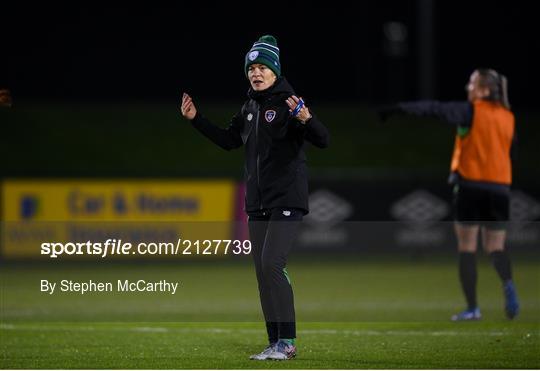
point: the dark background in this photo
(334, 52)
(96, 86)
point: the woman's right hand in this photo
(188, 107)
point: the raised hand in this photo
(187, 107)
(298, 108)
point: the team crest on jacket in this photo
(270, 115)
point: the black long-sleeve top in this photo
(275, 162)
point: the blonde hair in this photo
(497, 84)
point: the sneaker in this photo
(283, 351)
(468, 315)
(264, 354)
(511, 305)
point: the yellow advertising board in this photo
(122, 200)
(38, 211)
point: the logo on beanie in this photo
(253, 55)
(270, 115)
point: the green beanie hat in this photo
(264, 51)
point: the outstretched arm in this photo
(228, 138)
(455, 113)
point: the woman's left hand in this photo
(303, 115)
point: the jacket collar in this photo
(281, 86)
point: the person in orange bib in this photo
(481, 172)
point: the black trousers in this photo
(272, 234)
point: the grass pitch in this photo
(353, 314)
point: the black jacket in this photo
(275, 165)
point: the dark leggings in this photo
(272, 235)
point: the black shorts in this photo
(479, 206)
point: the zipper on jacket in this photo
(257, 149)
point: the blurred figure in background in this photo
(5, 98)
(273, 125)
(481, 174)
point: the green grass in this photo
(227, 345)
(365, 312)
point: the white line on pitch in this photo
(218, 330)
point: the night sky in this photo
(151, 53)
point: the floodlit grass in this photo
(353, 314)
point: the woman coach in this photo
(273, 125)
